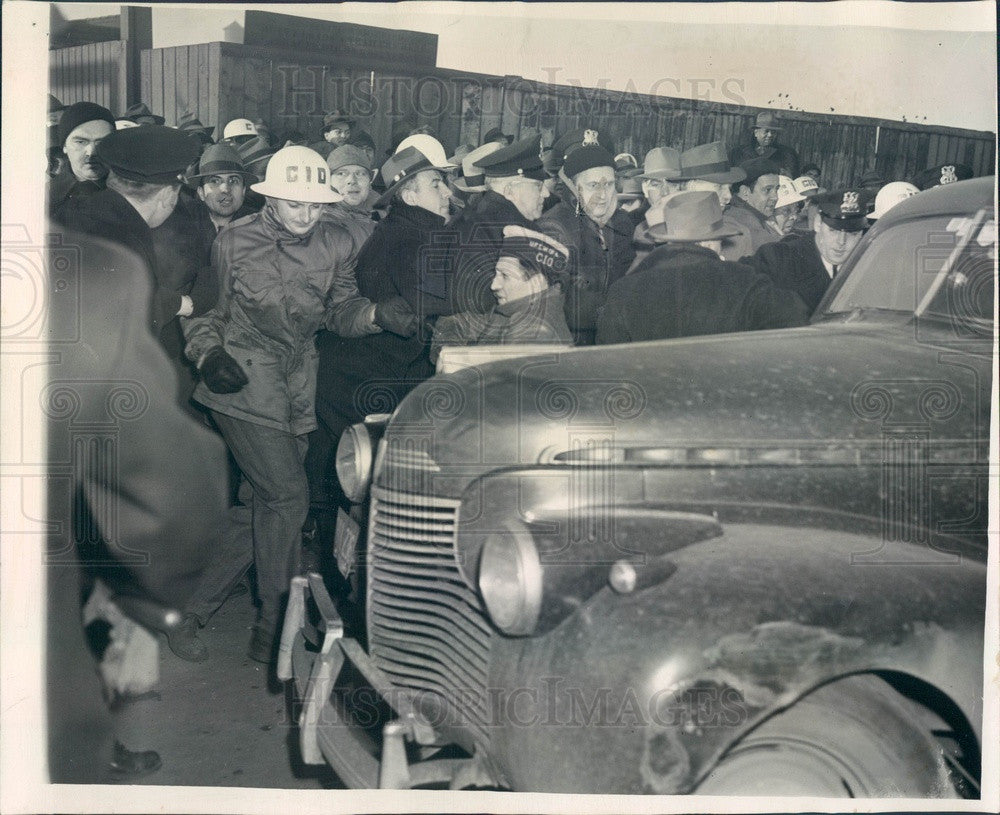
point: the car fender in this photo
(644, 691)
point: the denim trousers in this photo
(272, 464)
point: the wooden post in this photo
(137, 34)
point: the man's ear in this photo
(201, 192)
(744, 192)
(407, 196)
(814, 218)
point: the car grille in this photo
(427, 628)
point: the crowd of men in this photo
(296, 286)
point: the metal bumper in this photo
(326, 735)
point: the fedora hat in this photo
(220, 159)
(631, 189)
(415, 154)
(663, 163)
(473, 178)
(140, 111)
(710, 162)
(689, 217)
(768, 120)
(188, 121)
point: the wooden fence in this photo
(291, 90)
(88, 73)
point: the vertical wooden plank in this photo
(180, 84)
(214, 83)
(146, 74)
(155, 100)
(203, 85)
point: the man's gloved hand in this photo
(221, 373)
(396, 317)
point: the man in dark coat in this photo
(763, 143)
(146, 497)
(597, 233)
(683, 288)
(81, 128)
(371, 374)
(807, 263)
(144, 184)
(514, 193)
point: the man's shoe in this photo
(262, 644)
(183, 640)
(128, 764)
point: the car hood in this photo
(826, 384)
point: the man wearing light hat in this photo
(284, 273)
(891, 194)
(707, 167)
(791, 195)
(661, 174)
(597, 233)
(222, 184)
(807, 263)
(81, 127)
(528, 303)
(763, 143)
(238, 131)
(513, 179)
(683, 288)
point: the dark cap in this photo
(537, 253)
(220, 159)
(141, 114)
(568, 142)
(938, 175)
(154, 154)
(756, 167)
(496, 134)
(586, 158)
(189, 122)
(521, 158)
(336, 117)
(845, 210)
(80, 113)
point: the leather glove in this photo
(221, 373)
(396, 317)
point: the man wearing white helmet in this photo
(891, 194)
(239, 131)
(283, 273)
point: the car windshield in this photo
(938, 266)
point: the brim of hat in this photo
(629, 196)
(659, 234)
(279, 191)
(246, 173)
(386, 197)
(661, 175)
(156, 119)
(731, 176)
(459, 184)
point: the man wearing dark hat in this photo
(941, 174)
(597, 232)
(528, 302)
(514, 191)
(683, 288)
(142, 115)
(190, 123)
(222, 184)
(336, 131)
(351, 176)
(81, 127)
(807, 263)
(53, 148)
(763, 143)
(143, 184)
(498, 136)
(748, 212)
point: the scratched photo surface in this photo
(491, 407)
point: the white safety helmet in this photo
(787, 193)
(890, 195)
(297, 173)
(239, 127)
(431, 148)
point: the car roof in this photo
(957, 197)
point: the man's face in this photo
(353, 181)
(834, 244)
(79, 149)
(298, 217)
(763, 196)
(223, 194)
(596, 190)
(511, 283)
(785, 217)
(429, 192)
(722, 190)
(528, 196)
(338, 134)
(764, 136)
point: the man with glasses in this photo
(597, 233)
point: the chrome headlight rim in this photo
(355, 462)
(511, 581)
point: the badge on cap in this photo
(948, 174)
(850, 205)
(589, 137)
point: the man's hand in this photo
(221, 373)
(396, 316)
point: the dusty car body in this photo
(737, 564)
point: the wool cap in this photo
(80, 113)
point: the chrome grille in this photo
(427, 629)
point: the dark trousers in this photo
(272, 463)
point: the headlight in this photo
(354, 462)
(510, 580)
